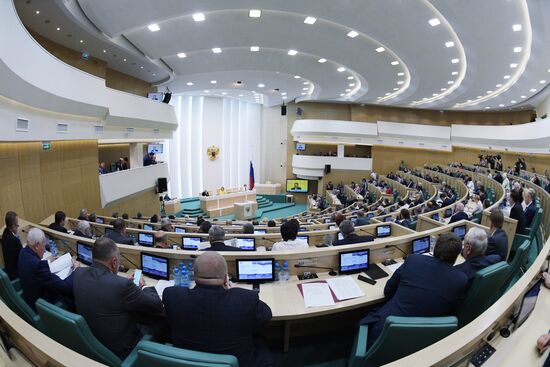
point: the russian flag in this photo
(251, 177)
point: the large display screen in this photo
(155, 148)
(297, 185)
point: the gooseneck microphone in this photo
(331, 272)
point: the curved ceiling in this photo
(438, 54)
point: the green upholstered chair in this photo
(72, 331)
(535, 224)
(15, 301)
(484, 290)
(518, 241)
(412, 225)
(400, 337)
(517, 262)
(148, 353)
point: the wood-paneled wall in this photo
(110, 153)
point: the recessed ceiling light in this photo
(454, 73)
(513, 65)
(348, 90)
(487, 108)
(58, 28)
(292, 52)
(450, 82)
(141, 67)
(517, 27)
(261, 85)
(254, 48)
(455, 61)
(350, 78)
(400, 82)
(542, 82)
(81, 41)
(154, 74)
(400, 74)
(206, 91)
(297, 76)
(449, 44)
(37, 12)
(512, 101)
(352, 34)
(255, 13)
(443, 89)
(489, 91)
(395, 62)
(395, 89)
(380, 49)
(433, 22)
(523, 97)
(224, 93)
(189, 83)
(351, 84)
(435, 95)
(387, 94)
(305, 88)
(501, 105)
(342, 94)
(478, 97)
(182, 55)
(283, 93)
(341, 69)
(305, 83)
(498, 85)
(240, 95)
(310, 20)
(213, 82)
(322, 60)
(104, 51)
(303, 94)
(124, 60)
(153, 27)
(517, 49)
(216, 50)
(284, 97)
(507, 76)
(198, 17)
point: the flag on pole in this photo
(251, 177)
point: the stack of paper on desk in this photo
(62, 266)
(345, 288)
(326, 293)
(317, 294)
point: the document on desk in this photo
(317, 295)
(62, 266)
(345, 288)
(394, 267)
(162, 285)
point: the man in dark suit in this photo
(83, 215)
(59, 224)
(405, 218)
(213, 317)
(216, 236)
(530, 209)
(119, 233)
(498, 239)
(361, 219)
(347, 230)
(424, 286)
(516, 212)
(83, 229)
(35, 276)
(473, 251)
(113, 305)
(11, 245)
(459, 214)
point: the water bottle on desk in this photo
(53, 248)
(176, 276)
(277, 271)
(285, 273)
(184, 277)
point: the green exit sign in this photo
(46, 145)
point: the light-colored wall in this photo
(273, 146)
(544, 107)
(211, 135)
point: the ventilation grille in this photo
(129, 130)
(62, 128)
(98, 129)
(22, 125)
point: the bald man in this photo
(459, 213)
(213, 317)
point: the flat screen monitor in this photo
(354, 261)
(190, 243)
(146, 239)
(448, 212)
(389, 218)
(108, 232)
(303, 238)
(297, 185)
(255, 270)
(421, 245)
(370, 215)
(302, 229)
(179, 230)
(460, 231)
(527, 304)
(155, 266)
(300, 146)
(99, 220)
(435, 216)
(148, 227)
(84, 253)
(260, 231)
(246, 244)
(383, 231)
(327, 220)
(155, 96)
(155, 148)
(332, 227)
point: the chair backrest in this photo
(148, 353)
(412, 225)
(402, 336)
(483, 292)
(535, 224)
(72, 331)
(16, 303)
(519, 259)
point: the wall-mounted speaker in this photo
(162, 184)
(283, 110)
(327, 168)
(167, 97)
(299, 111)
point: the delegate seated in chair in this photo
(475, 245)
(423, 286)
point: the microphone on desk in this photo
(394, 246)
(331, 272)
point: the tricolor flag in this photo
(251, 177)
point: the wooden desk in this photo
(268, 189)
(218, 205)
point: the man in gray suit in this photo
(118, 234)
(111, 304)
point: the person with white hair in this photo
(166, 225)
(83, 229)
(459, 213)
(83, 215)
(37, 281)
(473, 251)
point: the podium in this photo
(245, 210)
(172, 206)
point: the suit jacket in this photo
(471, 266)
(57, 227)
(423, 286)
(216, 320)
(458, 216)
(220, 246)
(110, 304)
(361, 221)
(517, 213)
(38, 282)
(529, 213)
(80, 234)
(11, 246)
(353, 238)
(119, 238)
(405, 222)
(497, 244)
